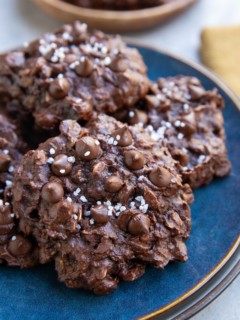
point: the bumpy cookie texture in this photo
(103, 202)
(189, 118)
(69, 73)
(15, 248)
(118, 4)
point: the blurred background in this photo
(22, 20)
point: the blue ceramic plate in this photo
(36, 293)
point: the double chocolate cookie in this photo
(189, 119)
(15, 248)
(103, 202)
(68, 74)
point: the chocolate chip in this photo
(133, 160)
(87, 149)
(70, 128)
(137, 116)
(59, 88)
(189, 124)
(52, 192)
(152, 101)
(6, 218)
(196, 92)
(161, 177)
(5, 161)
(99, 213)
(46, 120)
(139, 224)
(19, 246)
(118, 65)
(61, 166)
(113, 184)
(123, 136)
(84, 68)
(180, 156)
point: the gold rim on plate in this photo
(235, 99)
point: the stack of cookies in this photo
(97, 163)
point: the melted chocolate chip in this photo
(189, 124)
(118, 65)
(52, 192)
(87, 149)
(5, 161)
(161, 177)
(196, 92)
(123, 136)
(84, 68)
(99, 214)
(59, 88)
(133, 160)
(137, 116)
(61, 166)
(19, 246)
(139, 224)
(113, 184)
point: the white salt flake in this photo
(201, 159)
(14, 238)
(91, 221)
(62, 171)
(180, 136)
(107, 61)
(87, 213)
(52, 151)
(10, 169)
(83, 199)
(69, 199)
(76, 192)
(8, 183)
(71, 159)
(87, 153)
(50, 160)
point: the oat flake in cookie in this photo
(69, 73)
(189, 119)
(103, 202)
(15, 248)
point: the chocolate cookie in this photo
(69, 73)
(103, 202)
(15, 248)
(189, 118)
(118, 4)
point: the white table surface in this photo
(20, 21)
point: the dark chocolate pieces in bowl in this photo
(69, 73)
(15, 248)
(103, 203)
(189, 119)
(118, 4)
